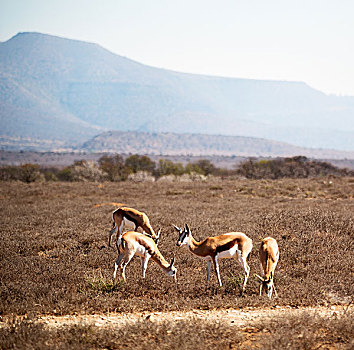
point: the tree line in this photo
(116, 168)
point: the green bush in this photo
(114, 167)
(50, 174)
(140, 163)
(66, 174)
(8, 173)
(30, 173)
(202, 166)
(295, 167)
(25, 173)
(167, 167)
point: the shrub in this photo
(193, 168)
(167, 167)
(140, 163)
(25, 173)
(8, 173)
(30, 173)
(50, 174)
(114, 167)
(82, 171)
(295, 167)
(66, 174)
(207, 167)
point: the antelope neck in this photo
(192, 243)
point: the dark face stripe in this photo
(181, 237)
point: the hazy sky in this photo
(302, 40)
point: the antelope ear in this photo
(176, 228)
(157, 237)
(260, 278)
(187, 228)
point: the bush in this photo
(8, 173)
(25, 173)
(66, 174)
(140, 163)
(167, 167)
(114, 167)
(295, 167)
(50, 174)
(82, 171)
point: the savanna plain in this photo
(56, 265)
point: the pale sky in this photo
(296, 40)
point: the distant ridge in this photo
(199, 145)
(68, 91)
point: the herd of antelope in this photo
(227, 245)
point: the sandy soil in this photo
(240, 318)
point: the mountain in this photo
(62, 91)
(200, 145)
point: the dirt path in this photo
(239, 318)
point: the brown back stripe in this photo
(226, 246)
(130, 218)
(146, 246)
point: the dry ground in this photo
(248, 328)
(55, 260)
(233, 317)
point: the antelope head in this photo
(183, 235)
(266, 285)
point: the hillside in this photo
(200, 144)
(68, 91)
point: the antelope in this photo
(135, 243)
(228, 245)
(139, 219)
(269, 256)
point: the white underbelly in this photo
(226, 254)
(128, 225)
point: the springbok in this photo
(269, 256)
(139, 219)
(135, 243)
(228, 245)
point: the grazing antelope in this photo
(139, 219)
(228, 245)
(269, 256)
(135, 243)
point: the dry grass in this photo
(54, 256)
(296, 332)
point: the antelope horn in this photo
(158, 237)
(176, 228)
(259, 277)
(187, 229)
